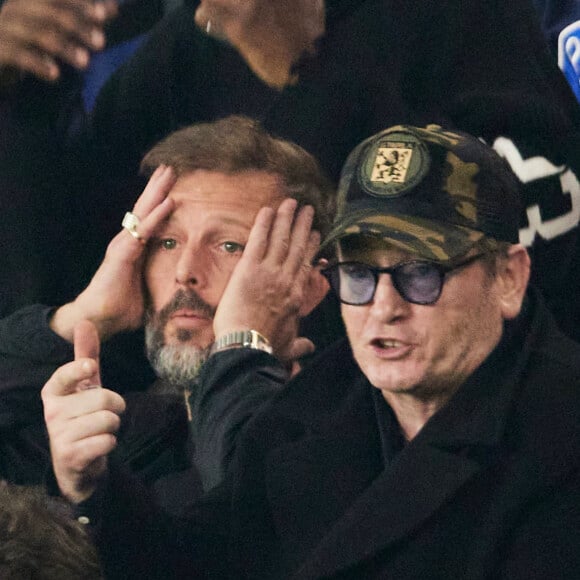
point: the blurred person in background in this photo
(40, 539)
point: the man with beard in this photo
(215, 256)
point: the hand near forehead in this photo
(113, 301)
(274, 282)
(37, 36)
(271, 35)
(81, 418)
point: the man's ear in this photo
(316, 289)
(513, 275)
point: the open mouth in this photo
(387, 343)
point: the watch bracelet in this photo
(242, 339)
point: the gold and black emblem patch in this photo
(394, 165)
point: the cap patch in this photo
(394, 165)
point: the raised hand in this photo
(274, 282)
(81, 418)
(270, 35)
(37, 36)
(113, 300)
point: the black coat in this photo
(156, 441)
(489, 488)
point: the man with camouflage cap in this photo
(442, 440)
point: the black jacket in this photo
(489, 488)
(156, 441)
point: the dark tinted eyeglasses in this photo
(417, 281)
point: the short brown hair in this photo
(235, 144)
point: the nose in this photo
(388, 305)
(191, 268)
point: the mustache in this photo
(183, 299)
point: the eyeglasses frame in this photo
(442, 269)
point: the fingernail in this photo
(87, 367)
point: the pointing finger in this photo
(87, 345)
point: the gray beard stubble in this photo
(178, 364)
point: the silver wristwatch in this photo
(242, 339)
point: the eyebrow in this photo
(215, 222)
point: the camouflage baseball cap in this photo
(432, 192)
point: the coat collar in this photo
(349, 496)
(406, 495)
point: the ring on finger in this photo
(131, 223)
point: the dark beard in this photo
(178, 364)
